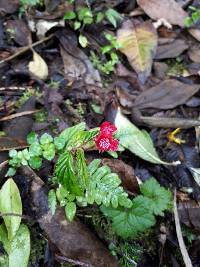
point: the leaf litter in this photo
(144, 78)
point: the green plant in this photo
(130, 222)
(194, 17)
(14, 235)
(81, 184)
(84, 16)
(107, 65)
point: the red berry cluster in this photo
(104, 141)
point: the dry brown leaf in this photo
(166, 95)
(38, 67)
(172, 49)
(169, 10)
(138, 42)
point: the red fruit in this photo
(106, 143)
(107, 128)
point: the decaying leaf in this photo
(138, 42)
(172, 49)
(18, 30)
(73, 240)
(169, 10)
(125, 172)
(168, 94)
(38, 66)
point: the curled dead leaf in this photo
(38, 66)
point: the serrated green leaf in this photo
(104, 187)
(127, 223)
(12, 153)
(70, 210)
(49, 151)
(82, 170)
(52, 201)
(158, 198)
(66, 173)
(137, 141)
(46, 139)
(10, 202)
(20, 248)
(32, 138)
(35, 149)
(69, 15)
(59, 142)
(35, 162)
(68, 133)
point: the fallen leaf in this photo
(18, 30)
(166, 95)
(138, 42)
(9, 6)
(169, 10)
(195, 33)
(194, 53)
(125, 172)
(189, 213)
(73, 240)
(42, 26)
(137, 141)
(172, 49)
(7, 143)
(38, 67)
(76, 63)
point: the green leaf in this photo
(35, 149)
(70, 210)
(32, 138)
(84, 13)
(59, 142)
(10, 202)
(4, 238)
(104, 187)
(49, 151)
(13, 153)
(35, 162)
(137, 141)
(99, 17)
(69, 15)
(77, 25)
(82, 168)
(128, 223)
(68, 133)
(20, 248)
(82, 40)
(11, 172)
(66, 173)
(113, 16)
(46, 139)
(52, 201)
(157, 197)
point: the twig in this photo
(183, 249)
(23, 113)
(74, 262)
(3, 164)
(26, 48)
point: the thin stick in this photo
(26, 48)
(3, 164)
(183, 249)
(23, 113)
